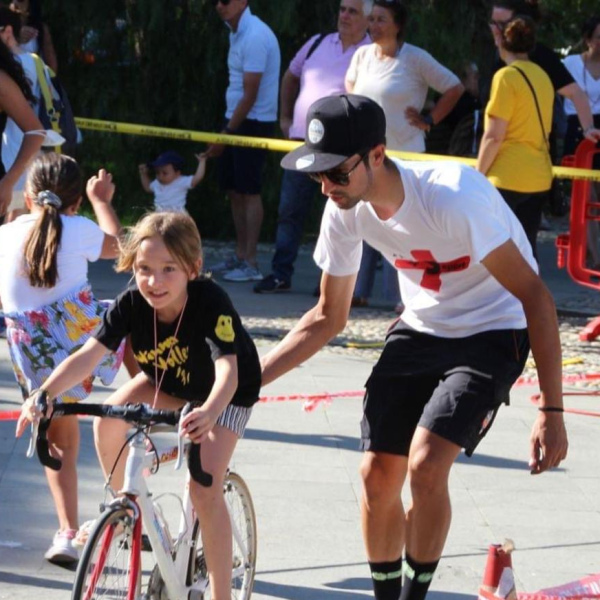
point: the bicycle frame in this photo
(135, 490)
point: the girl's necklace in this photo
(158, 383)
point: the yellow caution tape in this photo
(286, 145)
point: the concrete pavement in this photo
(302, 469)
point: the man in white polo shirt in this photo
(474, 301)
(251, 98)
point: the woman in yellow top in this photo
(514, 149)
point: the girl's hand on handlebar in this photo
(197, 424)
(30, 414)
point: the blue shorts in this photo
(452, 387)
(241, 169)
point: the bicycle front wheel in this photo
(243, 523)
(110, 563)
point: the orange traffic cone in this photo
(498, 578)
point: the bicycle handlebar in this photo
(140, 415)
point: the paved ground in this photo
(302, 470)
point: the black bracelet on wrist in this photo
(558, 409)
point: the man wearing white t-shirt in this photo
(473, 301)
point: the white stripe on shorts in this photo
(235, 418)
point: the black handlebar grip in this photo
(195, 466)
(43, 448)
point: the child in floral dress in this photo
(50, 309)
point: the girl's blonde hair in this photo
(178, 232)
(54, 183)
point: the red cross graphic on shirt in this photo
(433, 270)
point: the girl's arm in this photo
(200, 171)
(71, 371)
(100, 190)
(14, 104)
(492, 139)
(198, 423)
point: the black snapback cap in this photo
(337, 127)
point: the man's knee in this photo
(429, 466)
(382, 476)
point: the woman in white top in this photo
(50, 309)
(398, 76)
(585, 69)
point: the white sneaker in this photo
(245, 272)
(229, 264)
(62, 551)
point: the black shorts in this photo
(240, 169)
(452, 387)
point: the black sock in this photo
(417, 578)
(387, 579)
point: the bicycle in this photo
(110, 564)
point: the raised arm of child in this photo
(100, 190)
(145, 177)
(200, 171)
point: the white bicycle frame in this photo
(173, 571)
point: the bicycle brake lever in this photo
(179, 461)
(41, 403)
(198, 474)
(34, 433)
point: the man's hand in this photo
(100, 188)
(548, 442)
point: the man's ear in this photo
(377, 155)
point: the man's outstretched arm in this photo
(316, 327)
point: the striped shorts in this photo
(235, 418)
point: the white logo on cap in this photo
(316, 131)
(305, 161)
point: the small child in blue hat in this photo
(170, 187)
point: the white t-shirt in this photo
(397, 83)
(171, 197)
(450, 220)
(81, 242)
(13, 136)
(585, 81)
(253, 48)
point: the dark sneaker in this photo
(270, 285)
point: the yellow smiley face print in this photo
(224, 329)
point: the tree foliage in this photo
(163, 62)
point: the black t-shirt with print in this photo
(210, 328)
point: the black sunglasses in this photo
(501, 25)
(223, 2)
(337, 176)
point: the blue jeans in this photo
(295, 200)
(366, 276)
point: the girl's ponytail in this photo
(54, 184)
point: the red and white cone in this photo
(498, 578)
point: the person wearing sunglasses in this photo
(317, 70)
(398, 76)
(251, 110)
(473, 301)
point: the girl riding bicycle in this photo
(190, 345)
(50, 309)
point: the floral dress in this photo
(39, 340)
